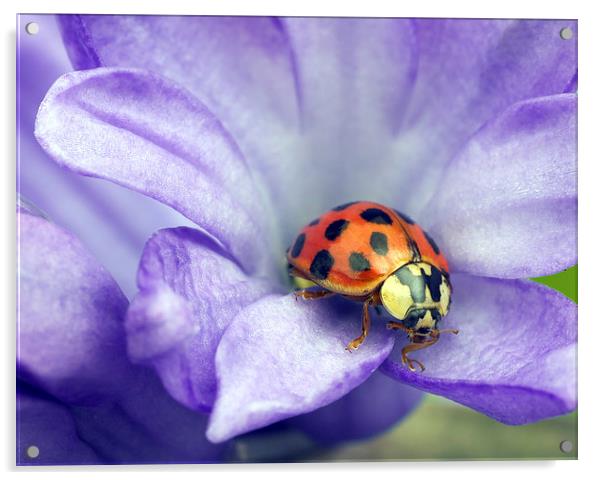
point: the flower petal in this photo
(477, 67)
(355, 75)
(370, 409)
(355, 78)
(507, 206)
(50, 427)
(28, 208)
(514, 358)
(141, 131)
(241, 67)
(281, 357)
(256, 73)
(71, 340)
(469, 70)
(190, 290)
(97, 212)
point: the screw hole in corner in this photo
(32, 28)
(32, 451)
(566, 33)
(566, 446)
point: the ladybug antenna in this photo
(455, 331)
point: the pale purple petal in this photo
(281, 357)
(146, 133)
(356, 78)
(49, 426)
(478, 67)
(468, 71)
(190, 290)
(146, 426)
(357, 69)
(241, 67)
(375, 406)
(514, 358)
(507, 206)
(98, 213)
(255, 73)
(71, 341)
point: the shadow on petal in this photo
(49, 426)
(375, 406)
(146, 425)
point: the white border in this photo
(374, 8)
(590, 331)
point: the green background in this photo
(441, 429)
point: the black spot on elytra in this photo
(404, 217)
(376, 215)
(321, 264)
(298, 246)
(335, 229)
(314, 222)
(358, 262)
(344, 206)
(379, 243)
(432, 242)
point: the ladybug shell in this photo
(354, 247)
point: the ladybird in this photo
(379, 256)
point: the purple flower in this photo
(250, 127)
(72, 365)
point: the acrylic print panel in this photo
(189, 187)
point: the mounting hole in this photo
(33, 451)
(32, 28)
(566, 446)
(566, 33)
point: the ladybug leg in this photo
(312, 294)
(412, 347)
(411, 363)
(354, 344)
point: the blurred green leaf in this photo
(442, 430)
(565, 282)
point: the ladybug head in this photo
(418, 294)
